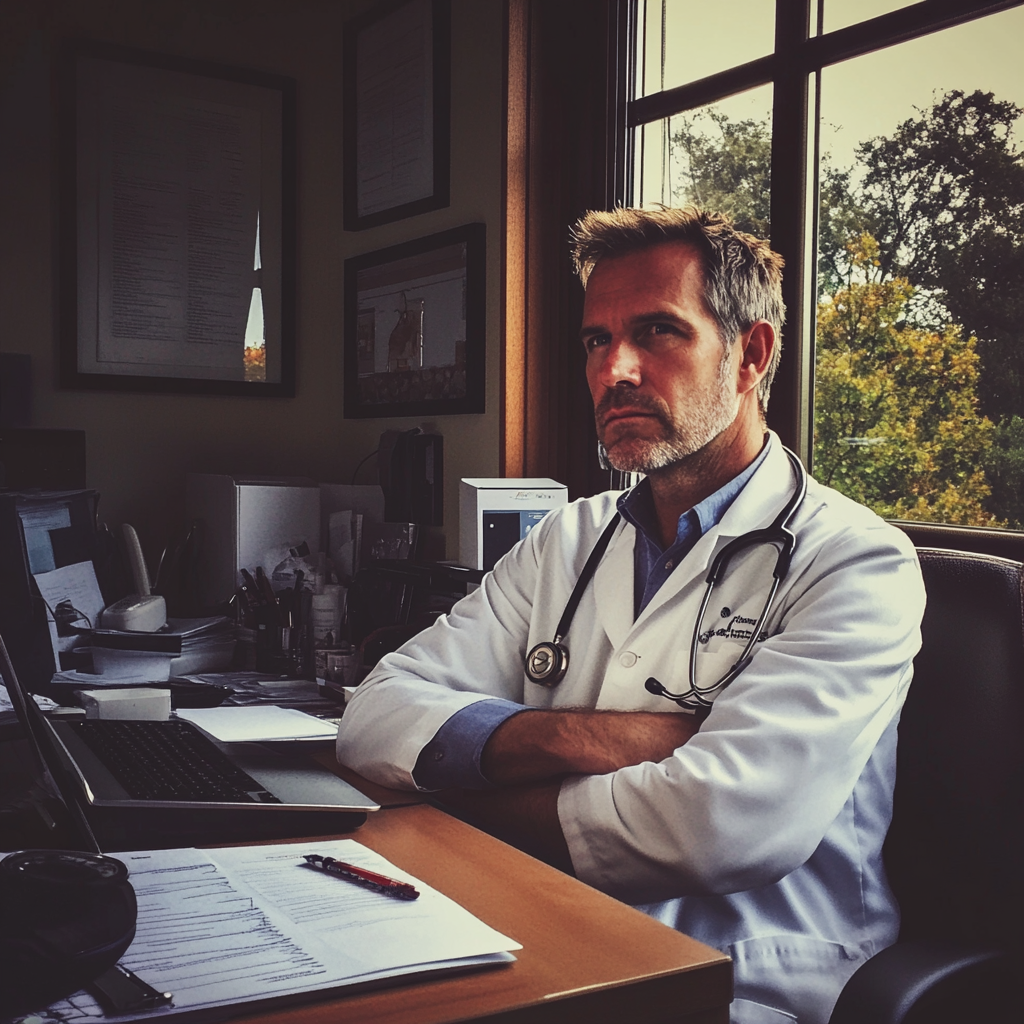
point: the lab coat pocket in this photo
(711, 665)
(799, 972)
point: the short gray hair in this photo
(742, 276)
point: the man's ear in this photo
(757, 344)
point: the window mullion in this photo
(791, 193)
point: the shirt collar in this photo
(637, 505)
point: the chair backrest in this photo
(955, 851)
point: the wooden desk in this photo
(586, 958)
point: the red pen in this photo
(360, 876)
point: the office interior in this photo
(536, 126)
(534, 122)
(140, 446)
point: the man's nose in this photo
(621, 364)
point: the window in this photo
(880, 144)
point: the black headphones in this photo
(65, 917)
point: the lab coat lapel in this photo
(613, 586)
(755, 506)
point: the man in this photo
(756, 826)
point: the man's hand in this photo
(536, 745)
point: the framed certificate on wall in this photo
(177, 215)
(397, 112)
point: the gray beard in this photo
(701, 424)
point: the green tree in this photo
(724, 165)
(932, 215)
(897, 425)
(1004, 468)
(944, 197)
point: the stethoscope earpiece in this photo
(546, 664)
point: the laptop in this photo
(168, 783)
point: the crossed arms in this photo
(529, 754)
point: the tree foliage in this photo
(943, 195)
(897, 425)
(724, 165)
(919, 384)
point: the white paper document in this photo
(74, 594)
(258, 724)
(237, 926)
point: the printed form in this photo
(237, 926)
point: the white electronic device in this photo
(245, 520)
(141, 612)
(496, 513)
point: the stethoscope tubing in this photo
(696, 696)
(777, 533)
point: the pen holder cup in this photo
(283, 650)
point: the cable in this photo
(355, 472)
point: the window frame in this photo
(793, 68)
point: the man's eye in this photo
(595, 341)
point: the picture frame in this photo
(177, 224)
(415, 327)
(397, 112)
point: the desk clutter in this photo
(282, 577)
(253, 926)
(245, 930)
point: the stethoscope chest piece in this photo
(546, 663)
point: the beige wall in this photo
(141, 446)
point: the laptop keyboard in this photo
(168, 761)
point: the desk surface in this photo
(585, 956)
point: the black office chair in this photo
(955, 850)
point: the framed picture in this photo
(177, 213)
(397, 111)
(414, 327)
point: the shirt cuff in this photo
(451, 760)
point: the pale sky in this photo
(860, 98)
(870, 95)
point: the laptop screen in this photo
(43, 751)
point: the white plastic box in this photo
(247, 520)
(496, 513)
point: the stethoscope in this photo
(547, 662)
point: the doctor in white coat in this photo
(756, 825)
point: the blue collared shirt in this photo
(652, 565)
(451, 760)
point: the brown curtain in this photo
(560, 138)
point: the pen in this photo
(251, 584)
(265, 588)
(369, 879)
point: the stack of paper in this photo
(238, 927)
(123, 657)
(258, 724)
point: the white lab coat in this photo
(762, 835)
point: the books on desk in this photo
(249, 926)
